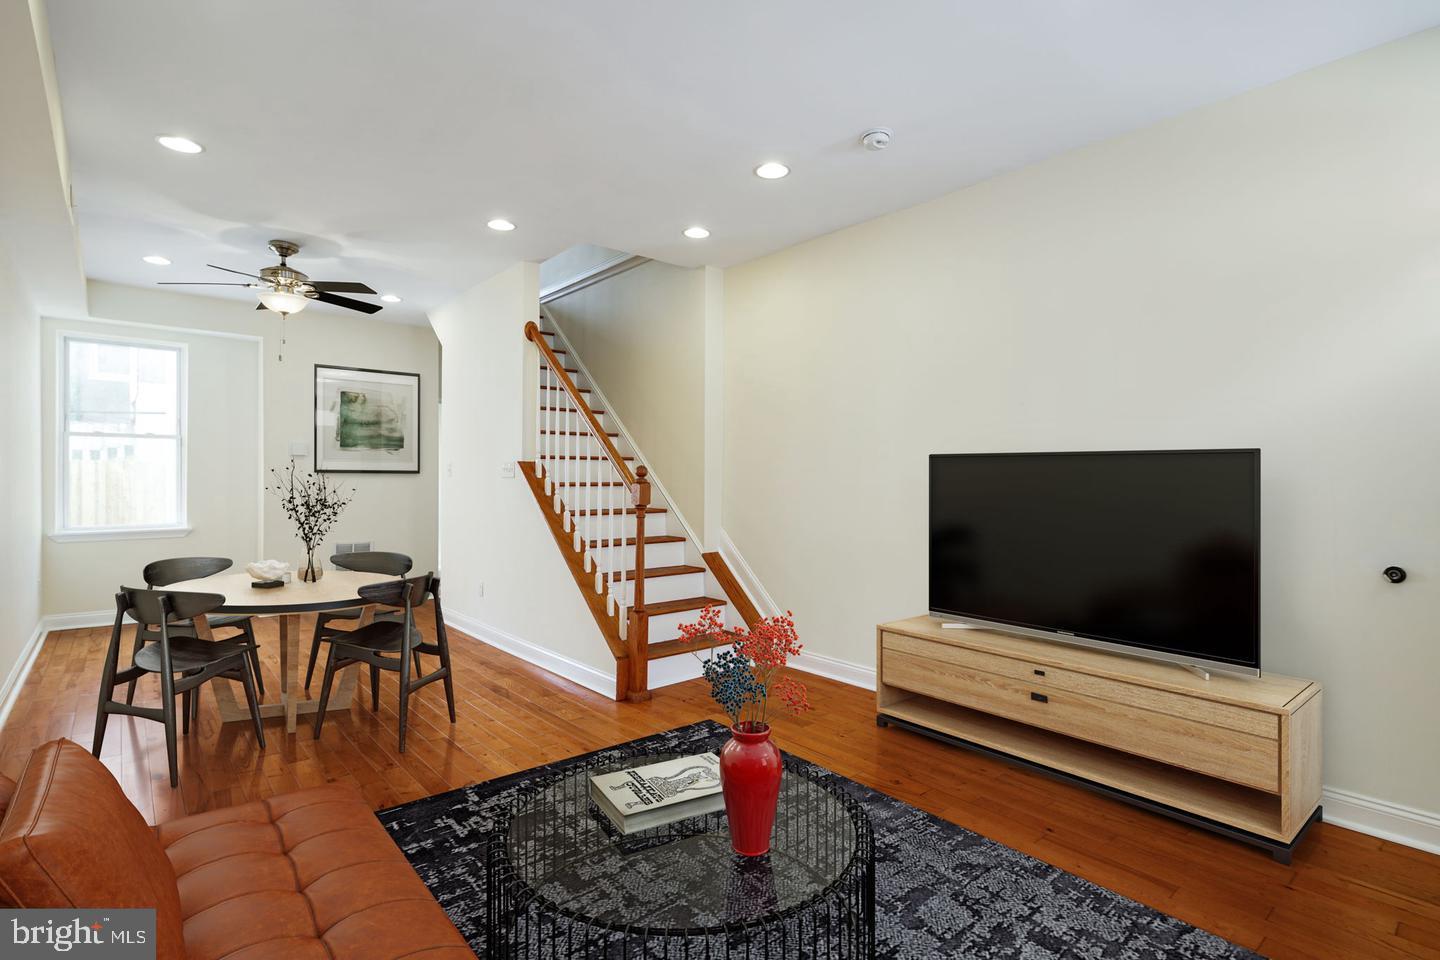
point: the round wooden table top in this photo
(333, 591)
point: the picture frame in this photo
(366, 421)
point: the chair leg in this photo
(449, 683)
(374, 687)
(139, 642)
(404, 698)
(167, 707)
(247, 629)
(186, 701)
(246, 679)
(320, 619)
(325, 692)
(195, 707)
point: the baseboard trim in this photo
(856, 675)
(573, 670)
(77, 621)
(1381, 818)
(15, 680)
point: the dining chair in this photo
(162, 573)
(365, 561)
(183, 662)
(388, 645)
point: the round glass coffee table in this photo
(562, 881)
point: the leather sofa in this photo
(309, 874)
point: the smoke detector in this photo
(877, 138)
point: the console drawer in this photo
(1047, 678)
(1244, 758)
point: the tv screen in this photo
(1158, 550)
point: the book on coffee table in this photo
(659, 793)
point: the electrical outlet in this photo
(480, 589)
(508, 471)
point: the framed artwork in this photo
(366, 421)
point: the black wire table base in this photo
(562, 882)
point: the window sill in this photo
(121, 533)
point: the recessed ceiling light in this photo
(390, 298)
(772, 171)
(501, 224)
(179, 144)
(157, 260)
(696, 233)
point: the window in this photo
(122, 436)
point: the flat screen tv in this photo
(1154, 552)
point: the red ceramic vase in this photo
(750, 779)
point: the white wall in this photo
(395, 512)
(222, 468)
(19, 468)
(494, 536)
(574, 262)
(1264, 272)
(641, 334)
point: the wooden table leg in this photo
(291, 705)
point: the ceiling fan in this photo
(285, 290)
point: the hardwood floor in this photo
(1347, 895)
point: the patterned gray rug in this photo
(940, 890)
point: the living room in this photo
(964, 466)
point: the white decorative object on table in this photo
(269, 570)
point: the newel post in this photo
(639, 628)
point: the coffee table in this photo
(561, 881)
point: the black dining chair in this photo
(365, 561)
(162, 573)
(195, 661)
(387, 645)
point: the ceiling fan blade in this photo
(197, 283)
(348, 303)
(228, 270)
(340, 286)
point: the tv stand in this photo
(1236, 755)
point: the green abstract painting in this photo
(370, 420)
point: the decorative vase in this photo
(750, 772)
(311, 570)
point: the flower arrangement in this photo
(313, 503)
(743, 678)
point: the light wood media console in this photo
(1237, 755)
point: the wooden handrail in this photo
(639, 487)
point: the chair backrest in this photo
(162, 573)
(374, 561)
(164, 606)
(411, 592)
(72, 838)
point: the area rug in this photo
(941, 891)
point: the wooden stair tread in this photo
(592, 483)
(544, 367)
(598, 457)
(630, 541)
(562, 389)
(573, 410)
(575, 433)
(680, 606)
(675, 571)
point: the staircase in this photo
(640, 574)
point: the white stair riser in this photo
(672, 588)
(598, 498)
(602, 527)
(656, 555)
(667, 626)
(586, 470)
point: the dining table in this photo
(335, 590)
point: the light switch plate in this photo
(507, 471)
(299, 448)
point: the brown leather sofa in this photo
(310, 874)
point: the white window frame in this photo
(181, 527)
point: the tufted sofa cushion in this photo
(310, 874)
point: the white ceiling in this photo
(384, 134)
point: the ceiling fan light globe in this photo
(281, 301)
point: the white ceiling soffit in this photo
(385, 135)
(37, 233)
